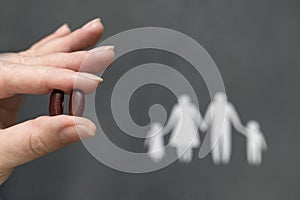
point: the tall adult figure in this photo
(214, 118)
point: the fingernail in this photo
(91, 23)
(84, 132)
(100, 82)
(87, 82)
(90, 76)
(84, 122)
(63, 29)
(103, 48)
(70, 133)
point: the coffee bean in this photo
(56, 103)
(77, 103)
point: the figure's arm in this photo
(208, 116)
(197, 116)
(236, 122)
(173, 119)
(263, 142)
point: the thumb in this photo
(34, 138)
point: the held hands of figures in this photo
(182, 129)
(203, 127)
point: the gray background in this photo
(255, 44)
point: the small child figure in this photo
(256, 143)
(155, 142)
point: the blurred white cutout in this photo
(256, 143)
(155, 142)
(184, 122)
(221, 152)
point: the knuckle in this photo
(28, 53)
(37, 144)
(6, 69)
(23, 57)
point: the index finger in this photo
(23, 79)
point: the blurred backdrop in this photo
(255, 44)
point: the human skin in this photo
(51, 63)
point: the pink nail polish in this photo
(91, 23)
(103, 48)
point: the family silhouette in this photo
(185, 120)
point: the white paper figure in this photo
(184, 121)
(256, 143)
(221, 152)
(155, 142)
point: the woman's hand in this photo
(52, 63)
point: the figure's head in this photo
(184, 99)
(253, 125)
(220, 96)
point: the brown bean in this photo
(77, 103)
(56, 103)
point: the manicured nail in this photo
(87, 82)
(90, 76)
(91, 23)
(63, 29)
(84, 132)
(100, 82)
(84, 122)
(70, 133)
(103, 48)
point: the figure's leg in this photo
(259, 157)
(251, 156)
(216, 152)
(178, 151)
(157, 155)
(248, 154)
(189, 155)
(185, 158)
(226, 147)
(180, 159)
(180, 154)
